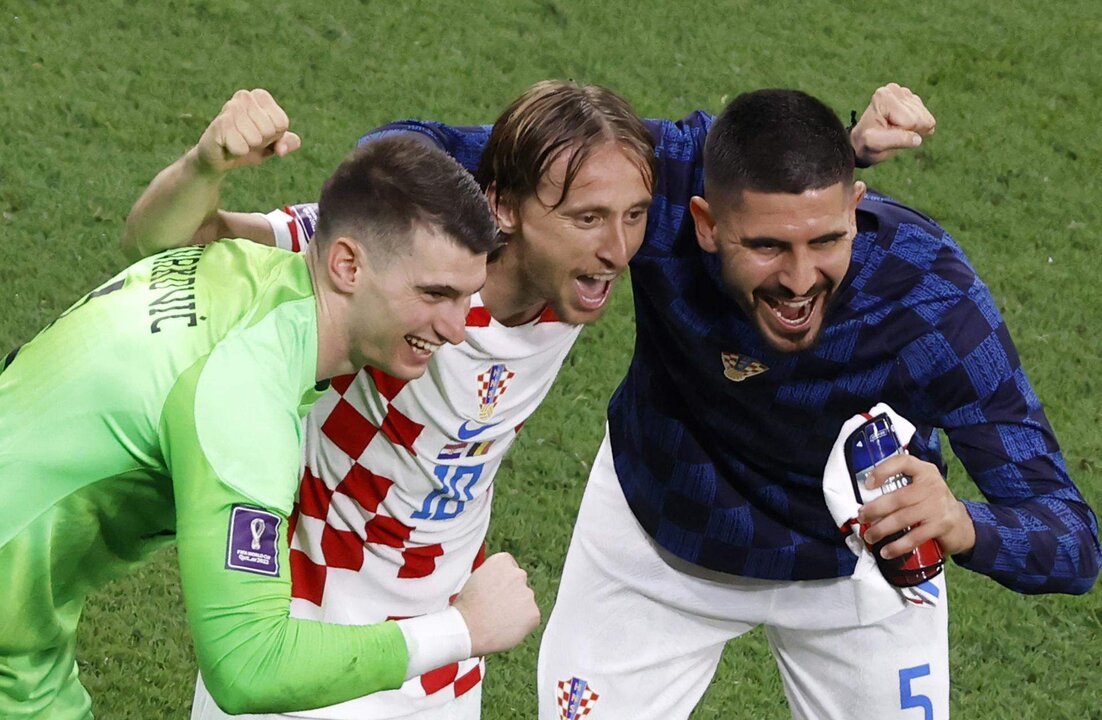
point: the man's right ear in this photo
(505, 213)
(704, 222)
(344, 261)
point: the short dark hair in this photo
(775, 141)
(554, 116)
(386, 187)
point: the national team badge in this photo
(253, 543)
(575, 699)
(739, 367)
(491, 386)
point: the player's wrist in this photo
(435, 640)
(198, 165)
(962, 540)
(857, 143)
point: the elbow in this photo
(1089, 576)
(237, 697)
(1080, 575)
(131, 247)
(1079, 585)
(1090, 561)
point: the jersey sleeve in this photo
(294, 226)
(230, 436)
(465, 143)
(679, 150)
(1036, 533)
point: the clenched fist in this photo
(497, 605)
(895, 119)
(250, 128)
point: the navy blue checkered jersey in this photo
(720, 442)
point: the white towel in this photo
(876, 598)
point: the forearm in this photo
(1046, 545)
(255, 658)
(253, 655)
(176, 208)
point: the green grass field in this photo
(96, 97)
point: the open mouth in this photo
(422, 347)
(593, 290)
(792, 315)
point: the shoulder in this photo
(246, 397)
(901, 243)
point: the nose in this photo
(614, 246)
(799, 274)
(451, 323)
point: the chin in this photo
(782, 344)
(578, 316)
(407, 371)
(404, 369)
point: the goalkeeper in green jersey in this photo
(165, 405)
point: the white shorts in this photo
(636, 633)
(467, 706)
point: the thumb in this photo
(884, 139)
(287, 144)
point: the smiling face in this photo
(783, 255)
(567, 255)
(413, 302)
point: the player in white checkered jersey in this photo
(396, 490)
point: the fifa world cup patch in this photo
(253, 542)
(491, 386)
(739, 367)
(575, 698)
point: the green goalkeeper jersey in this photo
(166, 405)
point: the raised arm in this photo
(180, 206)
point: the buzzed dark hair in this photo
(387, 187)
(775, 141)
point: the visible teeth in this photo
(798, 310)
(422, 345)
(601, 277)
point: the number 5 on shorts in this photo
(906, 699)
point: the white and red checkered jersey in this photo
(398, 479)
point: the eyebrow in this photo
(768, 239)
(446, 290)
(603, 209)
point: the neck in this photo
(333, 347)
(507, 295)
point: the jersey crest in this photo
(575, 698)
(739, 367)
(491, 386)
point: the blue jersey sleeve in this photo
(464, 143)
(679, 149)
(1036, 533)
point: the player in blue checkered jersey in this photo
(775, 298)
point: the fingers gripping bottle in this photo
(865, 448)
